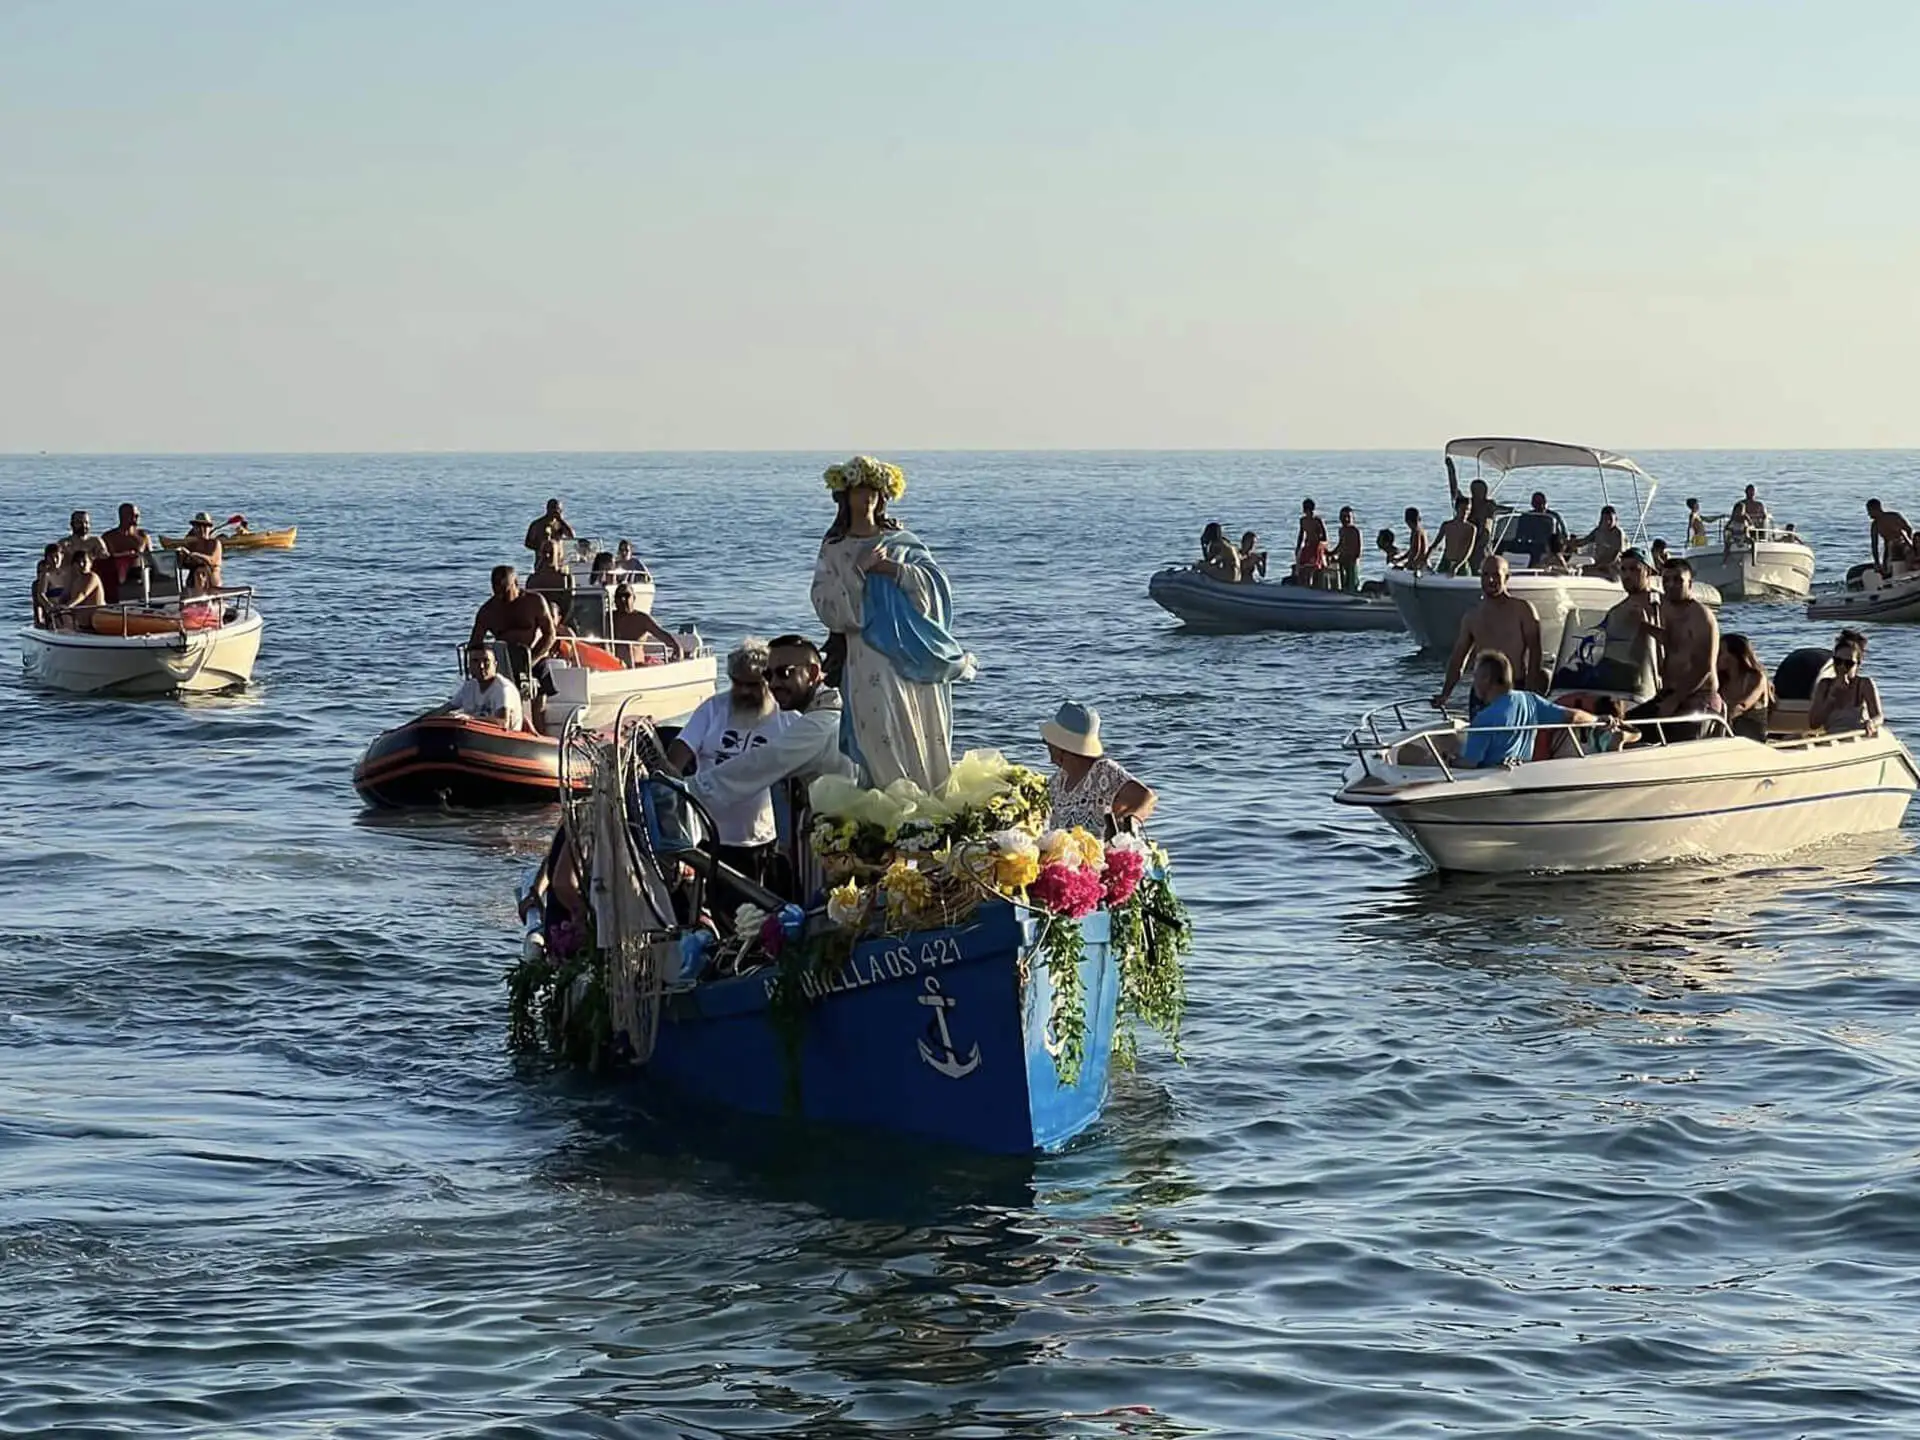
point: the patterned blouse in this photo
(1089, 804)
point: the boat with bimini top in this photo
(1432, 604)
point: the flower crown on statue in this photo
(864, 470)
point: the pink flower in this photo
(1072, 891)
(1123, 873)
(773, 938)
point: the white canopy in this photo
(1509, 454)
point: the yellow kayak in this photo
(245, 540)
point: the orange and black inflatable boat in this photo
(442, 759)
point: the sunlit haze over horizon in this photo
(600, 226)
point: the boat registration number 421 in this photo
(899, 961)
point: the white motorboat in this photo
(1572, 810)
(579, 556)
(663, 686)
(159, 644)
(1869, 595)
(1763, 564)
(1433, 605)
(1206, 602)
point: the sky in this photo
(272, 225)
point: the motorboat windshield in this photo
(1500, 457)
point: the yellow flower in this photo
(907, 890)
(1057, 847)
(1093, 854)
(1015, 870)
(846, 904)
(864, 470)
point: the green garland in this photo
(1062, 948)
(814, 957)
(1152, 936)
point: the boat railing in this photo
(1367, 743)
(1727, 536)
(231, 604)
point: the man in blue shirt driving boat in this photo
(1496, 736)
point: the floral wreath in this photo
(865, 471)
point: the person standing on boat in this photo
(1535, 532)
(1846, 700)
(1890, 536)
(1482, 511)
(742, 718)
(879, 587)
(1459, 538)
(1419, 550)
(127, 547)
(1500, 622)
(523, 623)
(1498, 734)
(485, 694)
(552, 525)
(1696, 524)
(551, 580)
(80, 536)
(625, 562)
(1088, 789)
(1346, 551)
(1689, 639)
(807, 747)
(1630, 660)
(1607, 540)
(1310, 549)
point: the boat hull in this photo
(1895, 601)
(1200, 600)
(931, 1034)
(666, 693)
(1701, 800)
(173, 662)
(1769, 570)
(251, 540)
(1432, 606)
(455, 760)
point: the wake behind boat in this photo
(1203, 601)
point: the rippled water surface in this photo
(1621, 1156)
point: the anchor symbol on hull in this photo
(946, 1059)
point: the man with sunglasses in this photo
(1846, 700)
(806, 749)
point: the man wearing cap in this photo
(807, 747)
(1090, 790)
(200, 555)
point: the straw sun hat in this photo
(1076, 730)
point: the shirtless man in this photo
(1346, 551)
(1501, 622)
(1747, 522)
(82, 586)
(1418, 547)
(81, 537)
(1482, 511)
(632, 625)
(1607, 540)
(1458, 538)
(1891, 536)
(1632, 653)
(1309, 549)
(201, 556)
(127, 547)
(550, 526)
(523, 621)
(1689, 638)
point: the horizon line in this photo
(915, 450)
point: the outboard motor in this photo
(1793, 686)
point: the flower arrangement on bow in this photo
(1125, 864)
(1069, 881)
(863, 471)
(906, 890)
(848, 904)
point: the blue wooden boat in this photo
(932, 1033)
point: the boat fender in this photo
(591, 656)
(533, 946)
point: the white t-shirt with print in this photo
(498, 699)
(714, 738)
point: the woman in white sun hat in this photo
(1089, 789)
